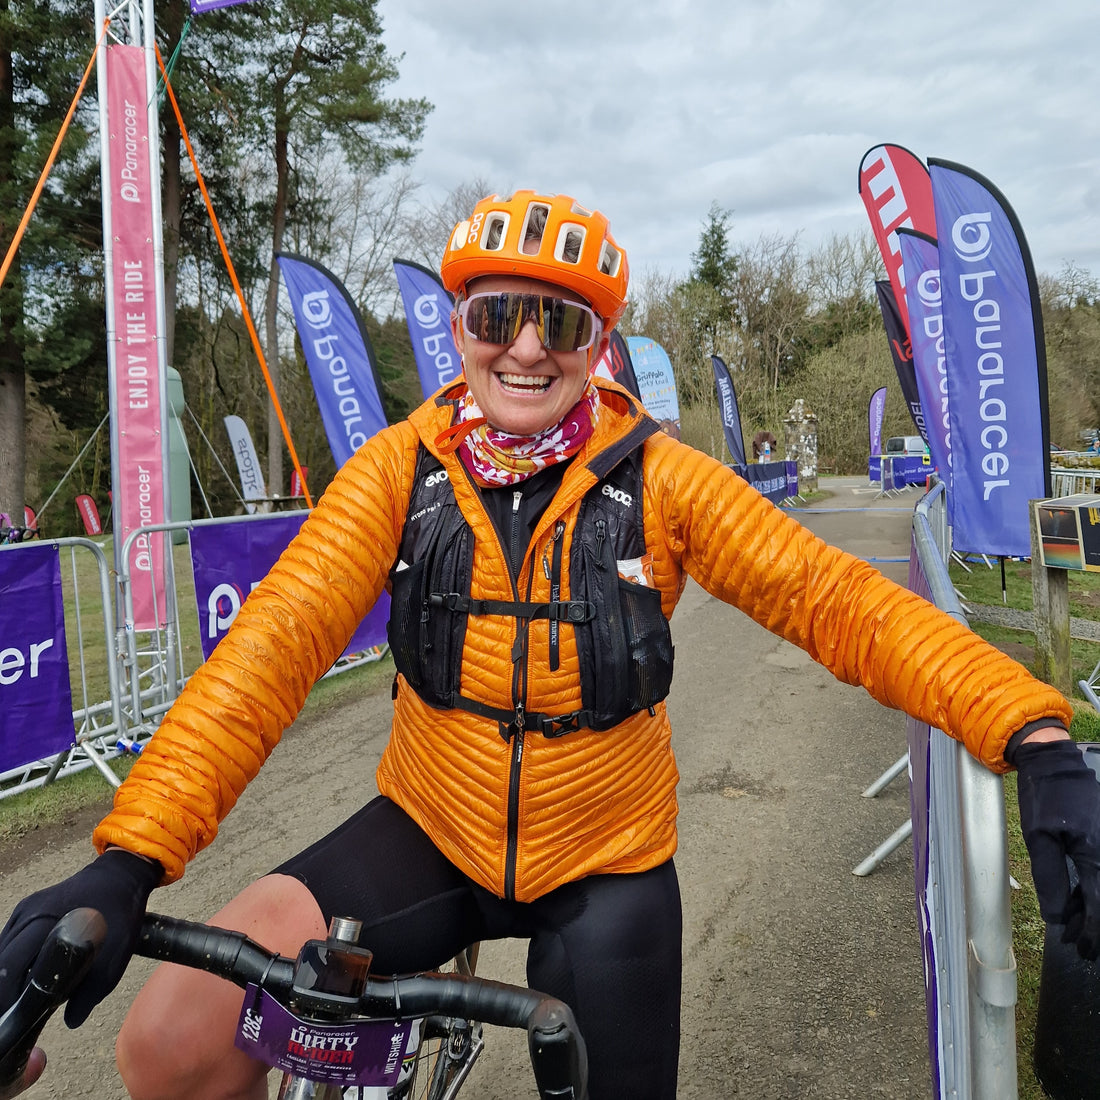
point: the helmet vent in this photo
(496, 227)
(610, 260)
(534, 226)
(569, 244)
(458, 237)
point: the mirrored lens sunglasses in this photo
(561, 325)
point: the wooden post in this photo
(1050, 598)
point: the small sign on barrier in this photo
(1069, 532)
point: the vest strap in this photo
(570, 611)
(549, 725)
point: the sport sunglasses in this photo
(561, 325)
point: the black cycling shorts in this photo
(607, 945)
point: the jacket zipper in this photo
(519, 694)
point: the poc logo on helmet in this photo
(435, 479)
(618, 496)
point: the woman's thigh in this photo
(610, 947)
(379, 867)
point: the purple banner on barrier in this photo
(996, 365)
(36, 706)
(922, 275)
(230, 559)
(775, 480)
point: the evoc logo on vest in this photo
(435, 479)
(619, 496)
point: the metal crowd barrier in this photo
(156, 667)
(145, 669)
(97, 726)
(1069, 482)
(970, 978)
(968, 880)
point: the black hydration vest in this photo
(623, 639)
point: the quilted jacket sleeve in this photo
(848, 617)
(289, 631)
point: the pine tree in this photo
(44, 46)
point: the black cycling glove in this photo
(118, 884)
(1060, 816)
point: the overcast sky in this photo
(652, 111)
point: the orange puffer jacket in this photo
(526, 816)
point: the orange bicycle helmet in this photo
(552, 238)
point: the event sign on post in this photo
(248, 462)
(895, 189)
(656, 382)
(901, 351)
(137, 389)
(338, 353)
(428, 307)
(89, 513)
(615, 364)
(996, 365)
(727, 407)
(876, 410)
(199, 6)
(922, 274)
(36, 706)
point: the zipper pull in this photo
(601, 532)
(559, 530)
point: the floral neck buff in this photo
(498, 458)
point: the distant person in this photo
(536, 529)
(763, 447)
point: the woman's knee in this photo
(177, 1039)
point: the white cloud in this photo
(654, 111)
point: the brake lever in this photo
(64, 959)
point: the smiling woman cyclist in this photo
(535, 529)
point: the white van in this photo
(906, 445)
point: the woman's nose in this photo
(527, 347)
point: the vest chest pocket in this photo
(427, 640)
(626, 651)
(648, 644)
(408, 626)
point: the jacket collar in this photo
(622, 423)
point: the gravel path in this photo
(1085, 630)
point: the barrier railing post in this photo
(968, 857)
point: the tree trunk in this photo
(13, 386)
(171, 193)
(271, 307)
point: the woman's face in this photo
(523, 388)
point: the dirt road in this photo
(801, 980)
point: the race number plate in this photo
(359, 1052)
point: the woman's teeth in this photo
(529, 383)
